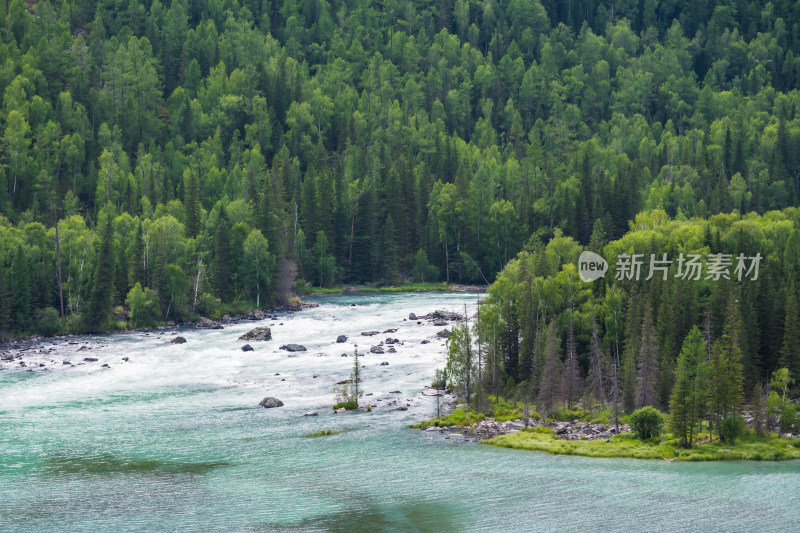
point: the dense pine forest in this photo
(174, 159)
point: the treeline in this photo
(624, 343)
(369, 142)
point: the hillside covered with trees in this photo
(178, 157)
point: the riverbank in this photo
(391, 289)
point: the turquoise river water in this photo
(173, 440)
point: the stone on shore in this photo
(261, 333)
(257, 314)
(270, 402)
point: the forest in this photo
(700, 346)
(161, 161)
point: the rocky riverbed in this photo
(490, 428)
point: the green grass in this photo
(323, 433)
(500, 411)
(349, 406)
(749, 448)
(318, 290)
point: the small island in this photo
(708, 418)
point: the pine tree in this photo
(101, 298)
(5, 301)
(391, 267)
(790, 351)
(596, 366)
(725, 369)
(222, 257)
(120, 276)
(191, 202)
(687, 401)
(550, 386)
(647, 364)
(21, 289)
(572, 378)
(138, 258)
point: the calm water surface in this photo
(172, 440)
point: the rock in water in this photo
(177, 340)
(376, 349)
(247, 348)
(270, 402)
(412, 316)
(369, 333)
(261, 333)
(293, 348)
(203, 323)
(311, 413)
(341, 338)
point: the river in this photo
(173, 440)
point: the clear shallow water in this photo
(173, 441)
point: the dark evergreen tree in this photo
(98, 310)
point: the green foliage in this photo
(688, 399)
(47, 322)
(647, 422)
(779, 404)
(350, 391)
(348, 405)
(733, 427)
(143, 304)
(426, 151)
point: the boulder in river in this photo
(311, 413)
(385, 363)
(390, 340)
(376, 349)
(412, 316)
(270, 402)
(261, 333)
(203, 323)
(90, 359)
(247, 348)
(444, 334)
(178, 340)
(369, 333)
(341, 338)
(293, 348)
(391, 350)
